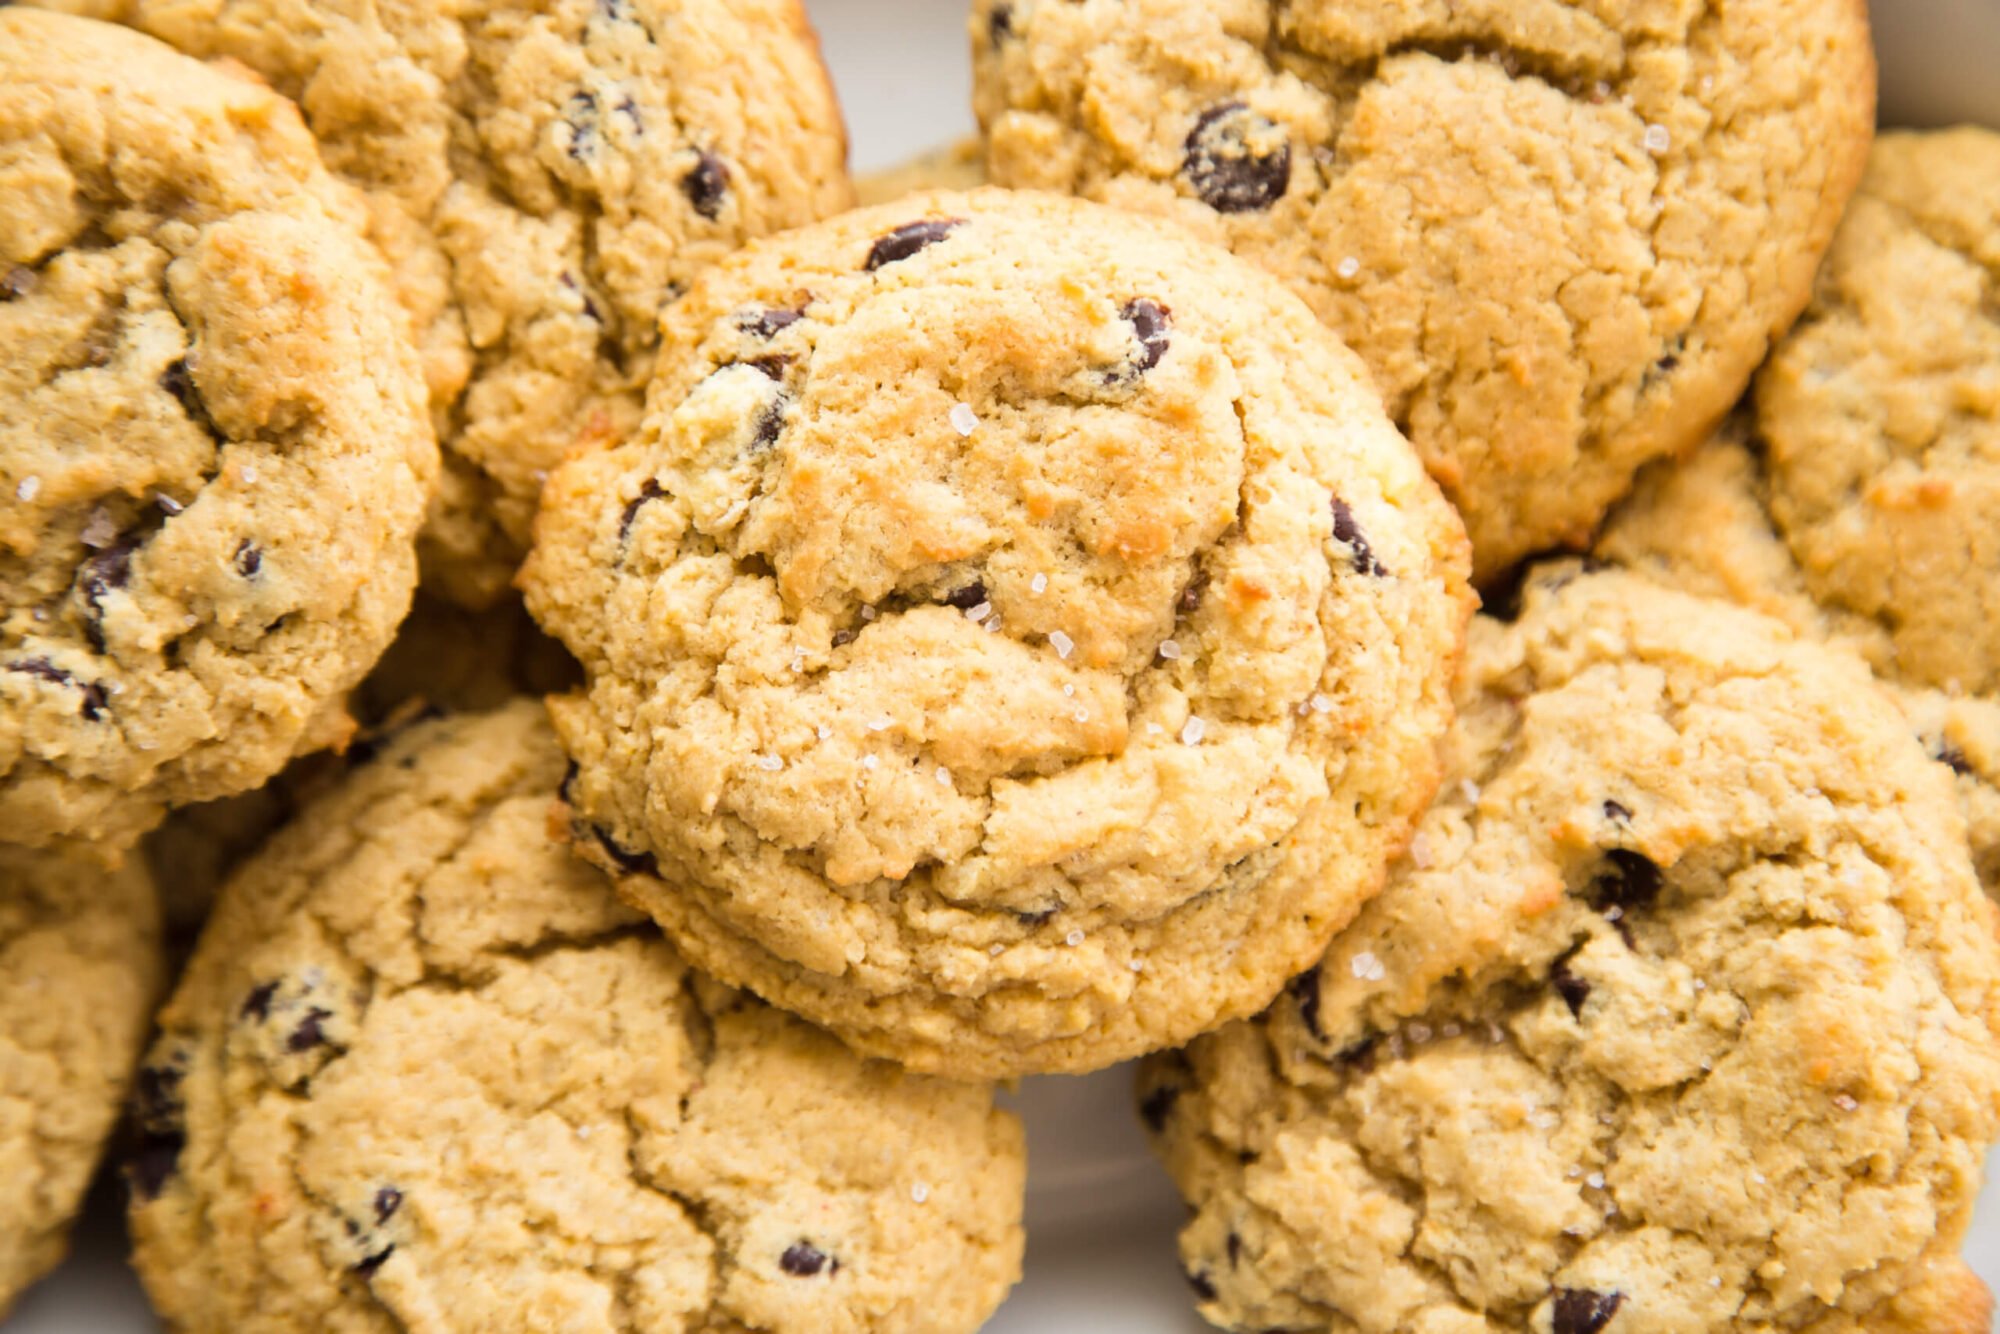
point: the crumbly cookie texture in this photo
(80, 972)
(1561, 235)
(214, 453)
(545, 177)
(426, 1072)
(1880, 416)
(1706, 526)
(1679, 1014)
(1016, 638)
(960, 165)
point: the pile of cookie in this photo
(570, 703)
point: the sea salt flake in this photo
(1367, 967)
(1170, 650)
(1062, 644)
(995, 951)
(1069, 691)
(1154, 729)
(1073, 939)
(920, 1192)
(963, 419)
(249, 475)
(1844, 1103)
(1195, 730)
(880, 724)
(823, 733)
(1658, 140)
(1420, 852)
(98, 530)
(1469, 790)
(1321, 704)
(1081, 715)
(770, 762)
(29, 488)
(992, 625)
(1039, 584)
(980, 612)
(1595, 1181)
(1421, 1033)
(1137, 965)
(943, 776)
(1348, 267)
(869, 761)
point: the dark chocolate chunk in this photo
(1617, 810)
(590, 310)
(161, 1117)
(770, 424)
(109, 569)
(94, 699)
(1150, 321)
(387, 1201)
(1236, 160)
(707, 185)
(257, 1005)
(17, 282)
(771, 368)
(1305, 990)
(1035, 919)
(908, 239)
(581, 114)
(1361, 1056)
(1627, 882)
(1199, 1281)
(1573, 989)
(249, 558)
(1000, 23)
(1951, 757)
(965, 599)
(649, 492)
(566, 788)
(769, 322)
(153, 1164)
(632, 863)
(370, 1263)
(1190, 599)
(1235, 1249)
(1581, 1311)
(309, 1033)
(629, 109)
(802, 1259)
(1348, 532)
(1156, 1106)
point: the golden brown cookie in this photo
(1016, 639)
(214, 454)
(426, 1072)
(1561, 235)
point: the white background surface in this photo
(1101, 1217)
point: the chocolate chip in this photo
(249, 559)
(1198, 1280)
(310, 1033)
(161, 1115)
(769, 322)
(567, 788)
(707, 185)
(1951, 757)
(153, 1164)
(1361, 1056)
(649, 492)
(1618, 811)
(257, 1005)
(1150, 321)
(908, 239)
(632, 863)
(965, 599)
(581, 114)
(771, 368)
(1627, 882)
(1348, 532)
(1573, 989)
(369, 1264)
(387, 1201)
(94, 699)
(1035, 919)
(629, 109)
(109, 569)
(1237, 160)
(590, 311)
(1000, 23)
(1190, 599)
(802, 1259)
(1235, 1249)
(17, 282)
(1581, 1311)
(770, 424)
(1305, 990)
(1157, 1106)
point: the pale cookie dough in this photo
(546, 175)
(80, 972)
(1016, 638)
(1562, 235)
(426, 1073)
(214, 455)
(1680, 1014)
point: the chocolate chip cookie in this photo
(79, 974)
(1562, 236)
(960, 165)
(1016, 638)
(545, 177)
(1680, 1013)
(426, 1072)
(214, 453)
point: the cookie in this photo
(426, 1072)
(79, 973)
(959, 165)
(214, 454)
(1707, 527)
(1562, 237)
(1679, 1014)
(545, 178)
(1015, 639)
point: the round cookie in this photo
(214, 455)
(80, 969)
(1680, 1013)
(1561, 236)
(1706, 527)
(426, 1072)
(545, 175)
(1015, 640)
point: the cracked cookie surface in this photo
(1680, 1013)
(214, 455)
(1016, 639)
(426, 1072)
(80, 971)
(1561, 234)
(545, 177)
